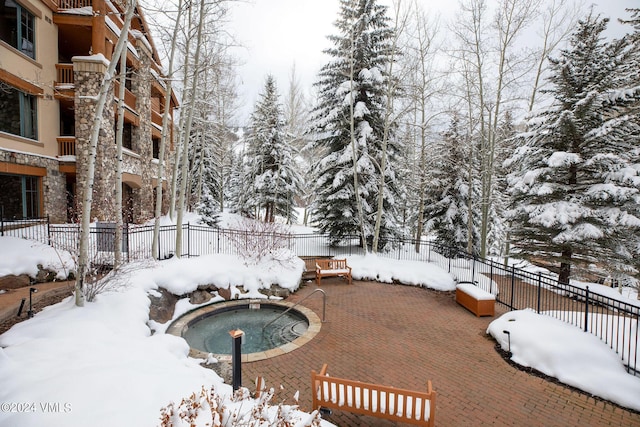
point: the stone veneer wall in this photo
(54, 183)
(143, 144)
(88, 74)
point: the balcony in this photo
(77, 4)
(72, 4)
(64, 74)
(66, 145)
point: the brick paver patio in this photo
(401, 336)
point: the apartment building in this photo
(53, 54)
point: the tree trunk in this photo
(400, 22)
(565, 267)
(165, 135)
(187, 131)
(117, 250)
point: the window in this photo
(156, 148)
(17, 27)
(20, 196)
(18, 112)
(127, 136)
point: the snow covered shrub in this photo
(207, 408)
(112, 281)
(256, 241)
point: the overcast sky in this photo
(276, 34)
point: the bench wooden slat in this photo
(372, 399)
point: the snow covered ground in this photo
(101, 365)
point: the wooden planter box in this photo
(476, 300)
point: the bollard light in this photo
(236, 358)
(30, 311)
(508, 340)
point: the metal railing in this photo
(25, 228)
(324, 307)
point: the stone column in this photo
(88, 74)
(142, 141)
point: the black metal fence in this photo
(614, 320)
(27, 228)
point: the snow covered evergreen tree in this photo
(447, 210)
(271, 172)
(349, 122)
(576, 193)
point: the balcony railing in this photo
(66, 145)
(75, 4)
(129, 97)
(72, 4)
(64, 74)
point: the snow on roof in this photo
(140, 36)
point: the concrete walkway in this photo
(401, 336)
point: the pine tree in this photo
(447, 207)
(349, 121)
(271, 173)
(576, 192)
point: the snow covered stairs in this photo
(474, 299)
(379, 401)
(332, 267)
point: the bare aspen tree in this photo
(401, 18)
(296, 114)
(558, 20)
(478, 44)
(105, 91)
(117, 241)
(181, 122)
(166, 132)
(187, 132)
(420, 88)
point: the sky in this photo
(279, 34)
(101, 366)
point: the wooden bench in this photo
(332, 267)
(389, 403)
(474, 299)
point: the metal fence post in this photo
(513, 285)
(539, 290)
(188, 240)
(586, 308)
(473, 269)
(126, 241)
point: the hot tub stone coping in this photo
(177, 327)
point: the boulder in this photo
(162, 307)
(44, 275)
(14, 282)
(225, 293)
(199, 297)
